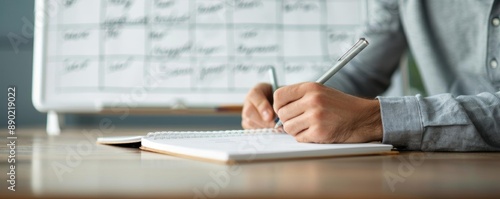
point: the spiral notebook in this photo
(231, 146)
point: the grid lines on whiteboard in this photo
(218, 46)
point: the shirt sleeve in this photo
(442, 122)
(437, 123)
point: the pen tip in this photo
(278, 124)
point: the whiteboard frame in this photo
(39, 55)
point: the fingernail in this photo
(265, 115)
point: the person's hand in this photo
(257, 109)
(315, 113)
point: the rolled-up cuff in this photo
(402, 122)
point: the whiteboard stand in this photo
(54, 122)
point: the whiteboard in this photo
(90, 55)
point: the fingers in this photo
(308, 112)
(293, 101)
(257, 110)
(296, 125)
(291, 110)
(251, 118)
(265, 110)
(307, 128)
(260, 97)
(287, 94)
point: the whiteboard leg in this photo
(54, 123)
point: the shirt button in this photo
(494, 63)
(495, 21)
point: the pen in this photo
(274, 84)
(341, 62)
(274, 80)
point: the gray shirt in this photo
(456, 45)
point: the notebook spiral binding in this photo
(208, 134)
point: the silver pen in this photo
(274, 79)
(341, 62)
(274, 84)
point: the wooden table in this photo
(72, 165)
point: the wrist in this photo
(374, 127)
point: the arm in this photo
(437, 123)
(314, 113)
(442, 122)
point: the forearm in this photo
(442, 122)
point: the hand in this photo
(257, 110)
(315, 113)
